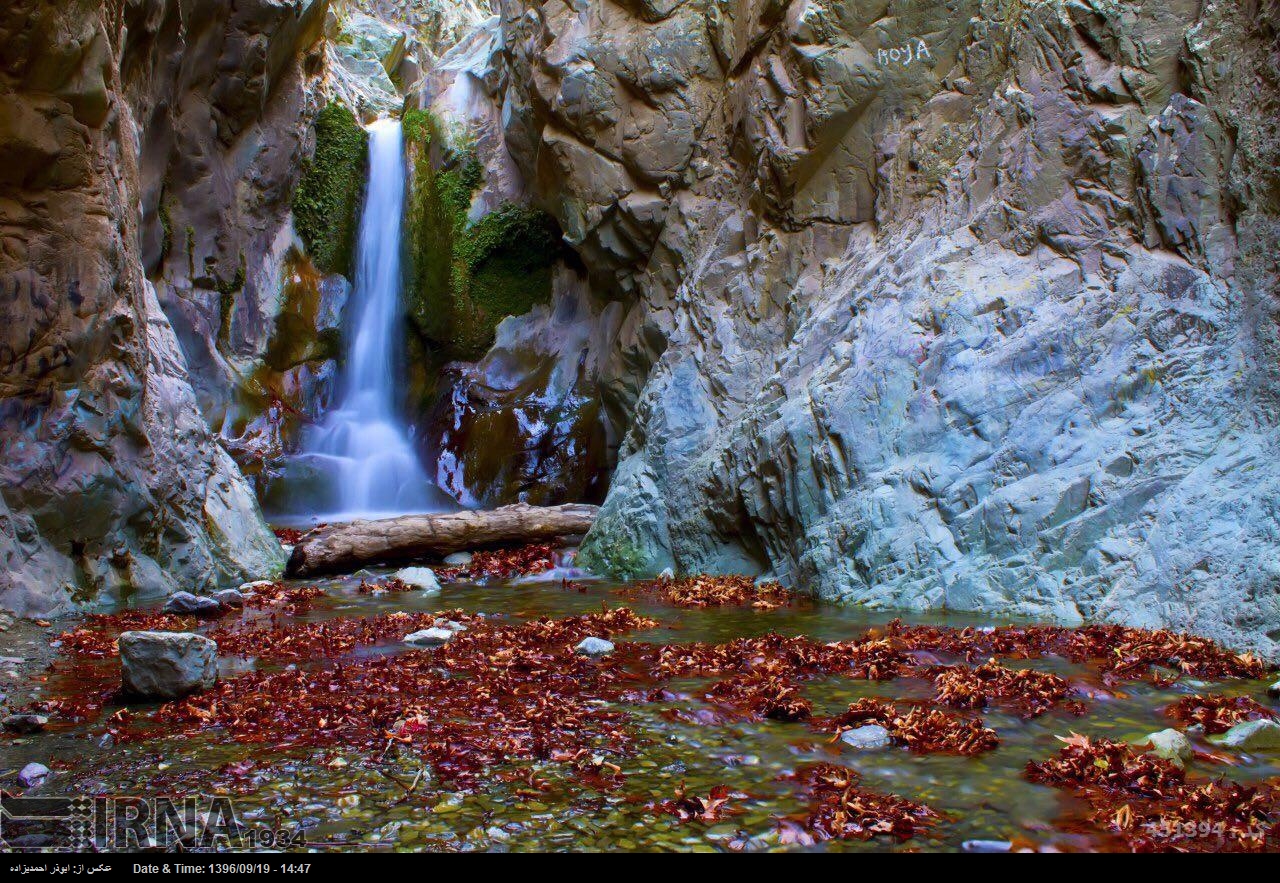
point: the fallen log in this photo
(342, 548)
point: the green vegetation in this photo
(328, 197)
(467, 277)
(613, 555)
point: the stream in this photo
(338, 794)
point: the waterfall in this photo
(361, 460)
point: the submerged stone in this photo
(25, 724)
(866, 738)
(166, 665)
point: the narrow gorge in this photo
(924, 318)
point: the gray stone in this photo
(229, 598)
(432, 637)
(1172, 745)
(187, 604)
(866, 738)
(25, 724)
(987, 846)
(458, 559)
(166, 665)
(667, 574)
(32, 774)
(423, 578)
(594, 647)
(1259, 735)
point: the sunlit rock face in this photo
(135, 139)
(933, 306)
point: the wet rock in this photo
(423, 578)
(449, 625)
(458, 559)
(987, 846)
(667, 574)
(868, 738)
(432, 637)
(187, 604)
(1253, 736)
(1172, 746)
(32, 775)
(25, 724)
(594, 647)
(229, 598)
(1274, 690)
(166, 665)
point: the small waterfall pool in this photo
(359, 462)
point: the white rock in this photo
(432, 637)
(594, 647)
(866, 738)
(1253, 735)
(166, 665)
(419, 577)
(32, 774)
(185, 603)
(667, 574)
(1172, 746)
(458, 559)
(250, 588)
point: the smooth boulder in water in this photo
(1253, 735)
(423, 578)
(867, 738)
(432, 637)
(166, 665)
(187, 604)
(1171, 745)
(594, 647)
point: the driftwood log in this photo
(342, 548)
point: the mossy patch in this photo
(466, 278)
(326, 205)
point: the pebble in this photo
(594, 647)
(866, 738)
(33, 774)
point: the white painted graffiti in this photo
(904, 54)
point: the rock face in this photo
(166, 665)
(965, 306)
(136, 140)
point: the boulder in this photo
(1253, 735)
(229, 598)
(1172, 745)
(867, 738)
(423, 578)
(25, 724)
(432, 637)
(594, 647)
(187, 604)
(32, 774)
(166, 665)
(458, 559)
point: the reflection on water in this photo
(338, 798)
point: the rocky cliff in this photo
(963, 305)
(148, 149)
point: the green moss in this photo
(328, 197)
(466, 278)
(613, 556)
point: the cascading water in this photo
(360, 460)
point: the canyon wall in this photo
(148, 150)
(965, 305)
